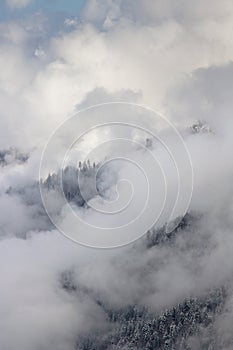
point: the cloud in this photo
(131, 55)
(31, 292)
(15, 4)
(172, 56)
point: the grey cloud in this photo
(174, 56)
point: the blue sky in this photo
(69, 8)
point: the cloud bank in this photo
(174, 57)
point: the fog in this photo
(176, 60)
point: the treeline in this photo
(79, 184)
(12, 155)
(136, 328)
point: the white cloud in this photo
(174, 56)
(147, 56)
(18, 3)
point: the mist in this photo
(154, 191)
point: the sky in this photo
(14, 9)
(61, 57)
